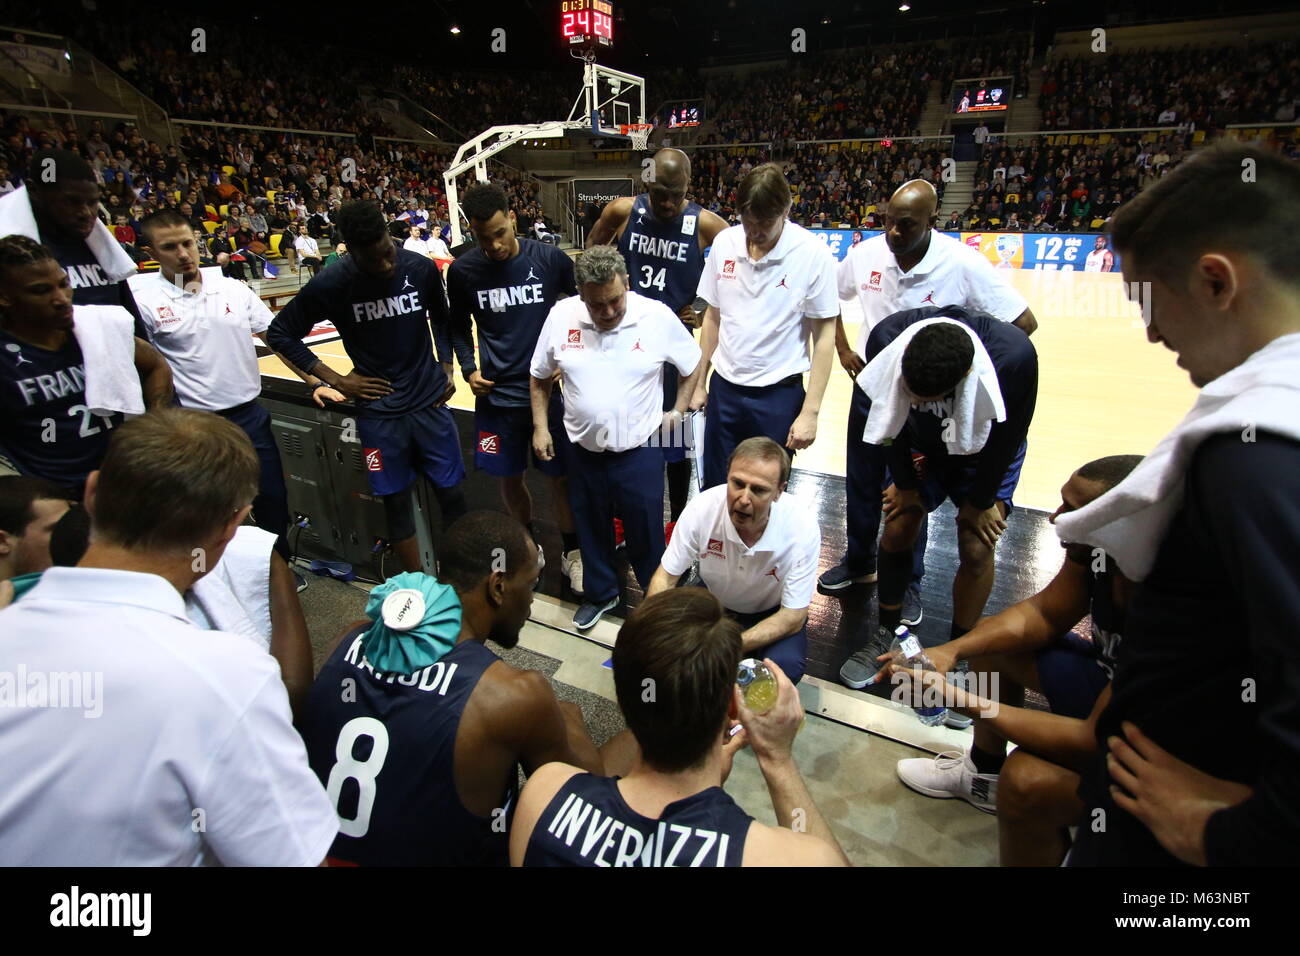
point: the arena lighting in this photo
(903, 7)
(455, 30)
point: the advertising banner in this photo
(1052, 251)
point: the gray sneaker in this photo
(861, 669)
(912, 613)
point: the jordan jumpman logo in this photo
(929, 298)
(406, 282)
(530, 274)
(781, 284)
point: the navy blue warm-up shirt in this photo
(509, 302)
(384, 325)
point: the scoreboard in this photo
(587, 24)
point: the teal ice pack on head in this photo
(417, 621)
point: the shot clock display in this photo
(587, 23)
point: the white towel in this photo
(106, 334)
(1129, 522)
(235, 596)
(16, 218)
(976, 405)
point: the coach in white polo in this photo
(769, 284)
(204, 323)
(909, 266)
(757, 549)
(129, 736)
(609, 347)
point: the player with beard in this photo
(654, 232)
(448, 721)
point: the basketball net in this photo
(638, 133)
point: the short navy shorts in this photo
(503, 438)
(955, 482)
(398, 449)
(1071, 676)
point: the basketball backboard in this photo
(609, 99)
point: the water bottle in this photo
(757, 685)
(905, 648)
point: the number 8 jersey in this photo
(663, 259)
(45, 427)
(384, 746)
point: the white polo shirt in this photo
(613, 381)
(767, 307)
(418, 246)
(780, 569)
(950, 273)
(155, 743)
(205, 336)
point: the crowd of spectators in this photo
(852, 95)
(832, 188)
(250, 187)
(248, 184)
(1030, 186)
(1200, 87)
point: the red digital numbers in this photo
(583, 19)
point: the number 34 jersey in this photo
(384, 746)
(663, 259)
(45, 427)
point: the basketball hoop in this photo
(638, 133)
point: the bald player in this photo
(662, 236)
(909, 266)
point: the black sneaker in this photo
(912, 612)
(842, 576)
(862, 668)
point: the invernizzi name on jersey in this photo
(75, 908)
(386, 308)
(670, 845)
(435, 677)
(673, 249)
(74, 690)
(61, 384)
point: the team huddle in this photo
(156, 530)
